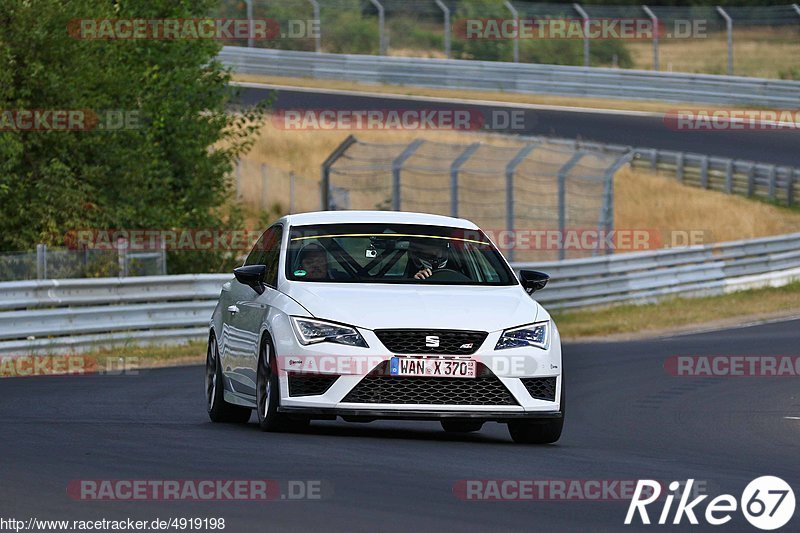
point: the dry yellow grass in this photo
(643, 200)
(762, 52)
(646, 200)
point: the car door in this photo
(252, 309)
(236, 340)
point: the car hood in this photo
(378, 306)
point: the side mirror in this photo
(533, 280)
(252, 276)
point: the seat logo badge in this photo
(432, 341)
(466, 346)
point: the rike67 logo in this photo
(767, 503)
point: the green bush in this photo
(348, 32)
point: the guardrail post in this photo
(397, 166)
(41, 261)
(325, 182)
(562, 199)
(515, 15)
(511, 167)
(751, 180)
(447, 29)
(729, 176)
(381, 26)
(318, 20)
(654, 18)
(249, 4)
(162, 259)
(585, 16)
(790, 186)
(704, 172)
(729, 26)
(122, 257)
(679, 167)
(654, 160)
(454, 168)
(773, 175)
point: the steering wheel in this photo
(447, 274)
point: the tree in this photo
(161, 173)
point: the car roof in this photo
(395, 217)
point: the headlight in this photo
(312, 331)
(537, 335)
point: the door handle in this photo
(232, 309)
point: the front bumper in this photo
(367, 415)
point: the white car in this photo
(369, 315)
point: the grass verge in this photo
(679, 314)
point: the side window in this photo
(256, 255)
(272, 255)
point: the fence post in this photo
(163, 257)
(324, 183)
(585, 16)
(381, 26)
(41, 261)
(397, 166)
(704, 172)
(729, 26)
(238, 175)
(122, 257)
(454, 168)
(291, 192)
(249, 4)
(447, 29)
(679, 166)
(607, 219)
(729, 176)
(264, 183)
(562, 198)
(654, 18)
(510, 169)
(318, 20)
(515, 15)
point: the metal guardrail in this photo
(68, 315)
(766, 181)
(516, 77)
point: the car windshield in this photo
(394, 253)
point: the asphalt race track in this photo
(642, 129)
(627, 419)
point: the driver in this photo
(314, 260)
(427, 256)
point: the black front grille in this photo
(541, 388)
(379, 387)
(302, 384)
(418, 341)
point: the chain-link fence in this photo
(528, 195)
(274, 191)
(59, 263)
(753, 41)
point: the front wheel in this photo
(218, 409)
(268, 394)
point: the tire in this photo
(461, 426)
(218, 409)
(268, 395)
(543, 431)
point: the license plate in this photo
(409, 366)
